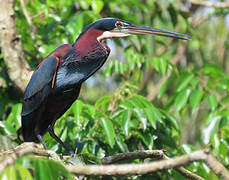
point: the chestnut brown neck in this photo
(88, 42)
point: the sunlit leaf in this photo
(121, 144)
(182, 99)
(77, 108)
(97, 6)
(183, 82)
(215, 142)
(141, 116)
(126, 121)
(187, 148)
(211, 128)
(24, 173)
(8, 128)
(195, 98)
(165, 86)
(9, 173)
(212, 101)
(108, 130)
(153, 116)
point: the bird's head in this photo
(107, 28)
(116, 28)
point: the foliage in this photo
(113, 114)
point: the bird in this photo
(55, 84)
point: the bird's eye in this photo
(118, 24)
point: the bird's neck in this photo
(88, 41)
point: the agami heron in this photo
(56, 82)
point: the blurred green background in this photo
(152, 93)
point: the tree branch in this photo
(132, 169)
(11, 47)
(210, 4)
(9, 157)
(158, 154)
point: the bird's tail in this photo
(27, 132)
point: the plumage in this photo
(57, 80)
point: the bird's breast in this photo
(76, 68)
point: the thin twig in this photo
(29, 20)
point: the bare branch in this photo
(132, 169)
(11, 47)
(9, 157)
(210, 4)
(158, 154)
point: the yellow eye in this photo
(118, 24)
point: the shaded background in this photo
(152, 93)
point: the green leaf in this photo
(173, 14)
(136, 102)
(141, 116)
(109, 131)
(85, 4)
(103, 100)
(49, 169)
(187, 148)
(77, 109)
(9, 173)
(97, 6)
(153, 116)
(8, 128)
(211, 128)
(160, 64)
(183, 82)
(215, 142)
(24, 173)
(182, 99)
(213, 70)
(165, 86)
(126, 121)
(15, 115)
(195, 98)
(57, 170)
(143, 101)
(212, 101)
(121, 144)
(171, 119)
(41, 170)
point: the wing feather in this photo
(40, 85)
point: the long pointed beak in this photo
(135, 29)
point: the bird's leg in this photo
(42, 141)
(52, 133)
